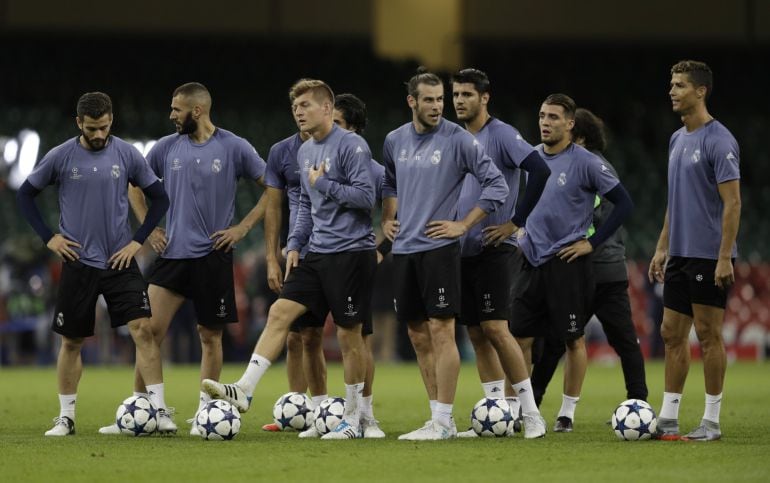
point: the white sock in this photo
(670, 407)
(319, 399)
(143, 394)
(353, 397)
(515, 405)
(494, 389)
(157, 395)
(203, 399)
(67, 405)
(568, 404)
(433, 403)
(713, 405)
(526, 397)
(367, 411)
(443, 414)
(258, 365)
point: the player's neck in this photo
(323, 130)
(304, 136)
(478, 122)
(558, 147)
(696, 118)
(204, 131)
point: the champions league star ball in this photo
(634, 420)
(492, 418)
(137, 416)
(293, 410)
(218, 421)
(328, 414)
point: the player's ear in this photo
(411, 101)
(485, 98)
(79, 123)
(701, 91)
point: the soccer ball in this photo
(634, 420)
(218, 421)
(492, 418)
(293, 410)
(137, 416)
(328, 414)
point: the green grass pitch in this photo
(591, 453)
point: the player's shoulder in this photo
(400, 131)
(716, 131)
(352, 142)
(122, 146)
(229, 137)
(677, 134)
(169, 140)
(63, 149)
(458, 134)
(497, 127)
(286, 143)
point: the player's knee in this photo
(420, 338)
(442, 335)
(294, 342)
(497, 334)
(72, 344)
(708, 334)
(141, 332)
(671, 336)
(576, 344)
(477, 336)
(312, 340)
(209, 336)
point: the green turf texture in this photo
(592, 453)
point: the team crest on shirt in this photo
(436, 158)
(115, 171)
(327, 164)
(562, 179)
(402, 156)
(60, 319)
(306, 165)
(75, 174)
(176, 165)
(696, 156)
(216, 165)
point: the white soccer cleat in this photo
(166, 425)
(433, 431)
(405, 437)
(467, 434)
(371, 429)
(311, 432)
(111, 429)
(193, 422)
(231, 393)
(534, 425)
(344, 430)
(62, 426)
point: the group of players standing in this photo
(518, 271)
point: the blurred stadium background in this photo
(612, 57)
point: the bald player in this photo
(200, 166)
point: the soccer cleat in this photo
(467, 434)
(667, 430)
(423, 428)
(311, 432)
(534, 425)
(271, 428)
(371, 429)
(62, 426)
(563, 425)
(344, 430)
(432, 431)
(111, 429)
(193, 422)
(517, 427)
(166, 425)
(231, 393)
(707, 431)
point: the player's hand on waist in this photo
(494, 235)
(390, 229)
(292, 260)
(158, 240)
(63, 247)
(229, 237)
(122, 258)
(576, 250)
(445, 229)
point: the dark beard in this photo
(189, 125)
(95, 144)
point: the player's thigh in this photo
(675, 326)
(613, 309)
(76, 297)
(214, 289)
(304, 287)
(438, 275)
(348, 279)
(406, 290)
(708, 321)
(529, 313)
(125, 292)
(569, 296)
(165, 303)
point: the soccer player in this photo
(610, 301)
(696, 247)
(489, 252)
(92, 172)
(200, 166)
(334, 217)
(426, 161)
(553, 294)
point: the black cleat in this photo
(563, 425)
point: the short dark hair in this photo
(699, 73)
(353, 110)
(591, 128)
(476, 77)
(565, 101)
(423, 76)
(320, 90)
(191, 89)
(94, 105)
